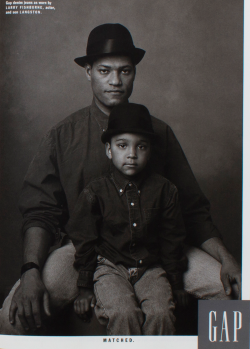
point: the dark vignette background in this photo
(191, 77)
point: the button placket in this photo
(134, 216)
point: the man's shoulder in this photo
(158, 123)
(78, 116)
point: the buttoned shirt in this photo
(71, 155)
(134, 221)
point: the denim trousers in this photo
(202, 280)
(133, 301)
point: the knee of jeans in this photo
(126, 313)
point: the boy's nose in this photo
(132, 154)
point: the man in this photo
(70, 156)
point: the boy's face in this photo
(129, 152)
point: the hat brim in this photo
(136, 56)
(107, 135)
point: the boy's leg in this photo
(154, 295)
(116, 306)
(59, 278)
(202, 279)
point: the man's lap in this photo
(202, 280)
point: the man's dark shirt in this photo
(136, 222)
(71, 155)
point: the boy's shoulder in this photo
(160, 183)
(99, 183)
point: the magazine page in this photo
(181, 59)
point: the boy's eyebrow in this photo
(125, 139)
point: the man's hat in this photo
(110, 39)
(129, 118)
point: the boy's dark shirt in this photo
(136, 222)
(71, 155)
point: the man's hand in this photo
(27, 301)
(230, 274)
(84, 302)
(230, 270)
(181, 297)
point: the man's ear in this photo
(108, 150)
(88, 70)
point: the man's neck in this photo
(106, 110)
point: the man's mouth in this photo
(115, 92)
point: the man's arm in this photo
(230, 270)
(31, 292)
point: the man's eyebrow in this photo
(108, 66)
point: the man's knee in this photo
(60, 277)
(202, 279)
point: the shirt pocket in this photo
(152, 215)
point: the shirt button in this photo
(134, 225)
(139, 192)
(120, 190)
(103, 130)
(140, 261)
(130, 184)
(133, 245)
(132, 204)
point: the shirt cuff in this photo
(85, 279)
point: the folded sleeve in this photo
(195, 206)
(83, 228)
(42, 200)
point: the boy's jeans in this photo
(133, 302)
(202, 279)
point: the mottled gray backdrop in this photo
(191, 77)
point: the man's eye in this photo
(123, 146)
(126, 72)
(103, 71)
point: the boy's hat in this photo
(109, 39)
(129, 118)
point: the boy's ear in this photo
(108, 150)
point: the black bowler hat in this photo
(129, 118)
(110, 39)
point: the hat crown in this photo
(109, 31)
(129, 118)
(110, 39)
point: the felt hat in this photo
(110, 39)
(129, 118)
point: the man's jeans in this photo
(202, 280)
(133, 302)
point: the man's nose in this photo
(115, 78)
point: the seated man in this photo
(70, 155)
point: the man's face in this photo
(129, 152)
(112, 81)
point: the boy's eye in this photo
(142, 147)
(122, 146)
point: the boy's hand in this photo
(84, 302)
(181, 297)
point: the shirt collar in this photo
(122, 182)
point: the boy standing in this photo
(128, 233)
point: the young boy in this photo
(128, 233)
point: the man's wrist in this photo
(29, 266)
